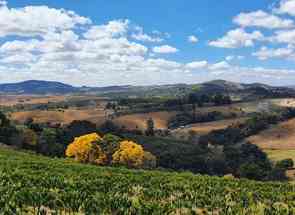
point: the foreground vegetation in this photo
(37, 185)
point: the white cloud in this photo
(197, 65)
(165, 49)
(192, 39)
(220, 66)
(286, 36)
(262, 19)
(3, 3)
(37, 20)
(20, 58)
(141, 36)
(106, 54)
(232, 57)
(146, 38)
(266, 53)
(286, 7)
(114, 28)
(237, 38)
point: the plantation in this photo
(31, 184)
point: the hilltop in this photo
(37, 87)
(247, 91)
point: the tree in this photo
(110, 144)
(48, 143)
(285, 164)
(150, 127)
(86, 149)
(149, 161)
(129, 154)
(4, 121)
(251, 171)
(79, 128)
(30, 138)
(109, 126)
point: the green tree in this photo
(4, 121)
(150, 127)
(110, 144)
(30, 138)
(285, 164)
(49, 145)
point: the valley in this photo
(241, 133)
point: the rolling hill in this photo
(245, 91)
(37, 87)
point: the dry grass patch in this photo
(134, 121)
(281, 136)
(63, 116)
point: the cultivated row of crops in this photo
(30, 184)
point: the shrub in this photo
(285, 164)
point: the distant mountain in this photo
(244, 91)
(37, 87)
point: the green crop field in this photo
(31, 184)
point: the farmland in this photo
(61, 116)
(133, 121)
(280, 137)
(37, 184)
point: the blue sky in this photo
(111, 42)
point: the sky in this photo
(111, 42)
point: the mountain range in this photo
(216, 86)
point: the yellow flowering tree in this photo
(86, 149)
(92, 148)
(129, 154)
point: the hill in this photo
(278, 137)
(37, 87)
(32, 184)
(244, 91)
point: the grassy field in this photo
(10, 100)
(31, 184)
(205, 128)
(280, 137)
(96, 115)
(277, 155)
(133, 121)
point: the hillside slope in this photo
(37, 87)
(246, 91)
(31, 184)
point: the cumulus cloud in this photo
(141, 36)
(165, 49)
(286, 36)
(286, 7)
(232, 57)
(37, 20)
(60, 45)
(3, 3)
(197, 65)
(266, 53)
(114, 28)
(237, 38)
(220, 66)
(262, 19)
(192, 39)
